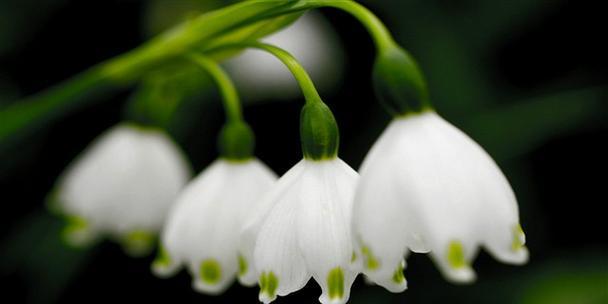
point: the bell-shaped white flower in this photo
(121, 186)
(426, 186)
(202, 232)
(302, 229)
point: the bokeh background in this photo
(528, 79)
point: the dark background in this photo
(525, 78)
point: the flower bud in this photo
(399, 83)
(318, 132)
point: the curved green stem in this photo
(299, 73)
(230, 97)
(380, 34)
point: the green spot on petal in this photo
(398, 276)
(518, 238)
(353, 258)
(163, 259)
(210, 271)
(138, 242)
(335, 282)
(268, 284)
(455, 255)
(242, 265)
(370, 261)
(76, 231)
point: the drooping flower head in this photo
(427, 187)
(302, 227)
(202, 232)
(121, 186)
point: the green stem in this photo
(230, 97)
(23, 117)
(380, 34)
(299, 73)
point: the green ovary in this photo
(335, 282)
(455, 255)
(269, 284)
(210, 271)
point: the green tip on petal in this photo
(163, 259)
(268, 284)
(335, 282)
(398, 276)
(77, 232)
(242, 265)
(138, 242)
(519, 238)
(370, 261)
(210, 271)
(455, 255)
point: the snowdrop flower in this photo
(427, 187)
(202, 231)
(121, 186)
(302, 227)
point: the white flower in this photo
(203, 228)
(302, 229)
(426, 186)
(122, 186)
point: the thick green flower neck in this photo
(318, 132)
(236, 141)
(399, 83)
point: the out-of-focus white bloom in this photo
(426, 186)
(310, 39)
(302, 229)
(121, 186)
(203, 229)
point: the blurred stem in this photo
(230, 97)
(204, 32)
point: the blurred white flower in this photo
(203, 228)
(426, 186)
(302, 229)
(310, 39)
(121, 186)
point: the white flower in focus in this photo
(121, 186)
(302, 229)
(203, 228)
(426, 186)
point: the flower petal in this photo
(277, 256)
(324, 237)
(255, 219)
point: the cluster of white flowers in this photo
(425, 187)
